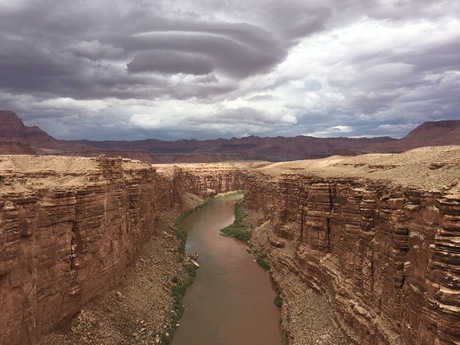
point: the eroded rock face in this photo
(208, 181)
(65, 245)
(386, 256)
(70, 227)
(386, 253)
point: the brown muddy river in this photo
(231, 300)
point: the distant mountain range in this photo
(16, 138)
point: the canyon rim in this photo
(377, 235)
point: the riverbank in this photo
(306, 316)
(141, 309)
(231, 300)
(146, 307)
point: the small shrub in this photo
(263, 262)
(278, 301)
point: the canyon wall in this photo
(386, 255)
(70, 228)
(207, 180)
(379, 236)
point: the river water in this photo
(231, 300)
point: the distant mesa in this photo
(13, 130)
(435, 133)
(432, 133)
(16, 138)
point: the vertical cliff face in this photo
(63, 245)
(210, 182)
(204, 180)
(386, 255)
(70, 227)
(379, 236)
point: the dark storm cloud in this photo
(62, 48)
(260, 66)
(170, 62)
(95, 50)
(235, 58)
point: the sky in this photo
(208, 69)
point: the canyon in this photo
(378, 235)
(70, 227)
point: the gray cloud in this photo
(262, 66)
(77, 49)
(170, 62)
(95, 50)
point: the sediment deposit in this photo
(379, 235)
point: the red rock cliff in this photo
(385, 252)
(207, 180)
(378, 235)
(67, 235)
(70, 227)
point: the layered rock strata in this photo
(378, 235)
(64, 242)
(384, 251)
(70, 227)
(205, 180)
